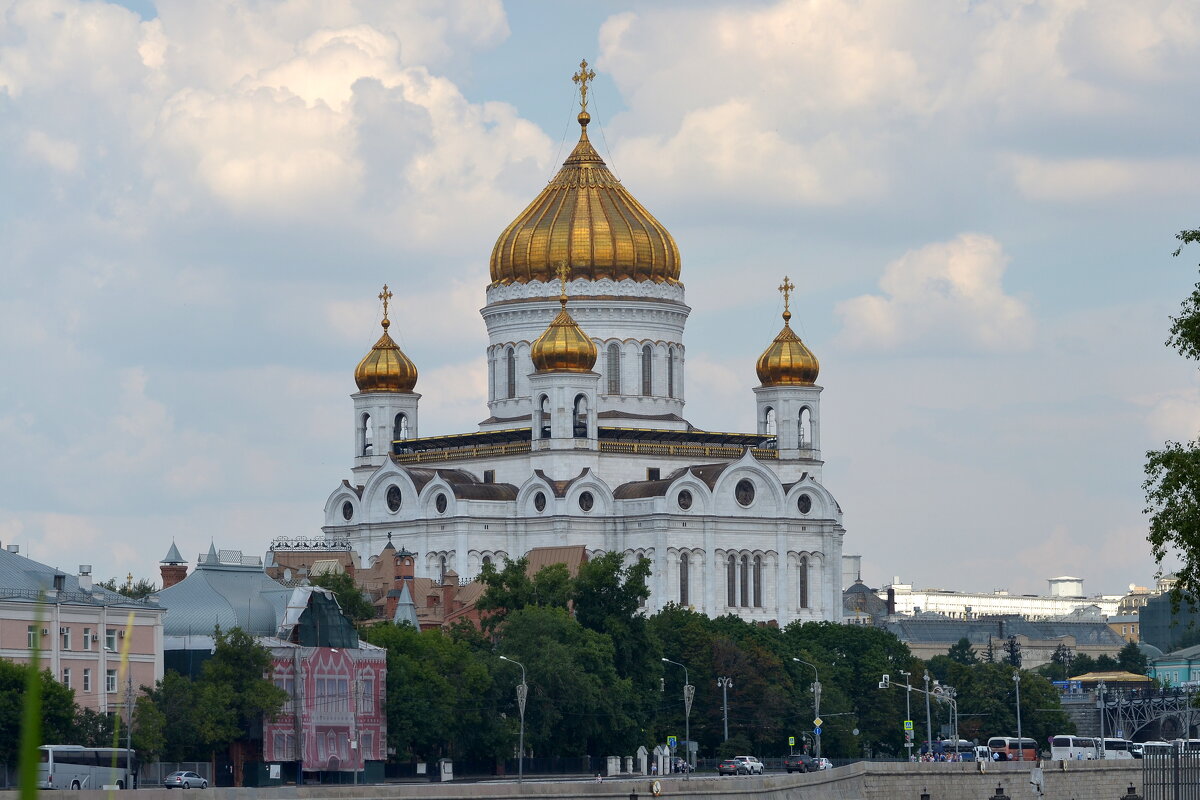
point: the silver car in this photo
(184, 780)
(755, 766)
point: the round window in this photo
(440, 503)
(539, 501)
(393, 498)
(347, 510)
(804, 503)
(586, 501)
(744, 491)
(685, 499)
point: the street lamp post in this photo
(688, 692)
(908, 710)
(816, 690)
(928, 718)
(1100, 697)
(1020, 745)
(522, 693)
(725, 682)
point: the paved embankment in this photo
(1061, 780)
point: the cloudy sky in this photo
(976, 199)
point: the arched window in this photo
(442, 569)
(487, 560)
(510, 373)
(400, 427)
(366, 435)
(744, 595)
(670, 372)
(614, 368)
(805, 427)
(758, 572)
(544, 413)
(802, 581)
(581, 417)
(683, 580)
(769, 421)
(731, 582)
(647, 371)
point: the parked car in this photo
(680, 765)
(731, 766)
(799, 762)
(184, 780)
(756, 767)
(824, 763)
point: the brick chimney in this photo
(450, 591)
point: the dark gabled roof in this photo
(637, 490)
(463, 484)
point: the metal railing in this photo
(1171, 774)
(664, 449)
(462, 453)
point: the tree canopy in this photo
(354, 605)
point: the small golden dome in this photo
(586, 218)
(385, 368)
(563, 347)
(787, 361)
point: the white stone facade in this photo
(731, 523)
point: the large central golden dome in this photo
(588, 220)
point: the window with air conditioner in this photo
(88, 638)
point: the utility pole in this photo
(688, 693)
(1100, 697)
(1020, 744)
(816, 690)
(725, 682)
(908, 739)
(928, 718)
(522, 693)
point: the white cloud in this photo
(1074, 180)
(942, 295)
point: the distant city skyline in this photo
(977, 204)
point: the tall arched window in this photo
(544, 412)
(758, 572)
(670, 372)
(802, 581)
(745, 581)
(769, 421)
(614, 368)
(487, 560)
(510, 373)
(805, 427)
(442, 569)
(400, 427)
(731, 582)
(366, 435)
(581, 417)
(647, 371)
(683, 580)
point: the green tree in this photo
(57, 709)
(1172, 483)
(1012, 652)
(93, 729)
(235, 676)
(1106, 663)
(196, 730)
(1082, 664)
(1132, 659)
(961, 652)
(136, 590)
(149, 728)
(511, 589)
(349, 596)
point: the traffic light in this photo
(886, 682)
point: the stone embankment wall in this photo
(1061, 780)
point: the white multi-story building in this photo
(586, 442)
(971, 605)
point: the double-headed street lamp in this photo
(724, 682)
(522, 693)
(816, 690)
(688, 692)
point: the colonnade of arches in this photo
(366, 434)
(656, 371)
(770, 427)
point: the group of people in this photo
(928, 757)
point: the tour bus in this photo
(964, 749)
(1117, 749)
(1010, 748)
(1073, 748)
(70, 766)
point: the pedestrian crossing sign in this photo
(672, 742)
(908, 725)
(791, 741)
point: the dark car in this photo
(799, 762)
(731, 766)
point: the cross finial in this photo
(564, 273)
(583, 77)
(385, 295)
(786, 288)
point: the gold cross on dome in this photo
(786, 287)
(564, 274)
(583, 77)
(385, 295)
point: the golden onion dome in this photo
(563, 347)
(586, 218)
(787, 361)
(385, 368)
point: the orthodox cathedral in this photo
(585, 442)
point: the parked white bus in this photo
(1117, 749)
(1073, 748)
(70, 766)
